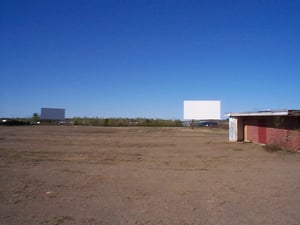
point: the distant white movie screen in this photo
(52, 114)
(201, 110)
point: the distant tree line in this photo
(87, 121)
(125, 122)
(108, 122)
(15, 122)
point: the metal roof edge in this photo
(265, 113)
(294, 112)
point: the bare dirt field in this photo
(173, 176)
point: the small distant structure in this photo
(52, 115)
(271, 127)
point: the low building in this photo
(280, 128)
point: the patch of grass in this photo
(189, 169)
(277, 148)
(272, 148)
(58, 220)
(238, 149)
(62, 219)
(73, 171)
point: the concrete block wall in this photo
(283, 131)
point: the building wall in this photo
(283, 131)
(233, 129)
(236, 129)
(251, 133)
(289, 139)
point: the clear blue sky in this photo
(142, 58)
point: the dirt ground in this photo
(172, 176)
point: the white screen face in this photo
(202, 110)
(52, 114)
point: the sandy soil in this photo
(95, 175)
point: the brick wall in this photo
(281, 131)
